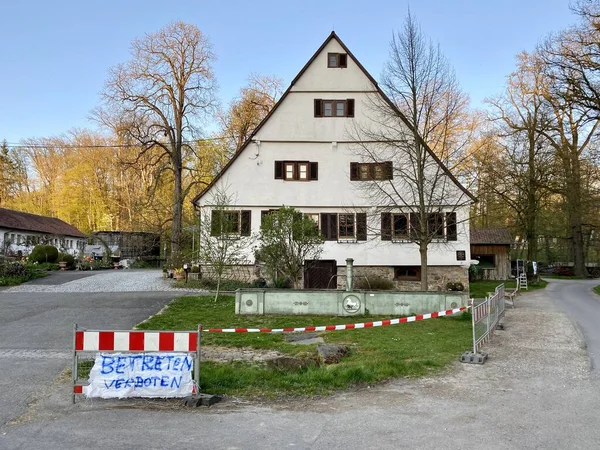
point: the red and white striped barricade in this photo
(152, 350)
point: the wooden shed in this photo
(491, 247)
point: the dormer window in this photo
(337, 60)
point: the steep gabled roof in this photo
(285, 94)
(22, 221)
(491, 236)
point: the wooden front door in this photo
(319, 274)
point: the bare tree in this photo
(423, 86)
(416, 198)
(157, 99)
(572, 129)
(220, 246)
(522, 174)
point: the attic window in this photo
(337, 60)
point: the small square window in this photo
(328, 109)
(407, 273)
(333, 60)
(339, 109)
(339, 60)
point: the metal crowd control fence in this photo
(90, 342)
(485, 317)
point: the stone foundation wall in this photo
(245, 273)
(438, 277)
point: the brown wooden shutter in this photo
(342, 60)
(245, 228)
(350, 107)
(451, 231)
(318, 107)
(361, 226)
(333, 226)
(353, 171)
(415, 226)
(386, 226)
(314, 170)
(325, 225)
(215, 223)
(279, 170)
(388, 170)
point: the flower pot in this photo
(179, 276)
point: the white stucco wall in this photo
(61, 241)
(293, 133)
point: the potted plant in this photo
(179, 273)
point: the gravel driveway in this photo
(105, 281)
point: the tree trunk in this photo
(574, 208)
(177, 202)
(424, 274)
(532, 202)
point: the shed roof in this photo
(22, 221)
(494, 236)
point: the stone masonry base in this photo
(438, 277)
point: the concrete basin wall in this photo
(342, 303)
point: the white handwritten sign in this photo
(156, 375)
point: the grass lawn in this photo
(480, 289)
(376, 354)
(597, 290)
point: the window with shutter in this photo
(246, 225)
(226, 222)
(361, 226)
(371, 171)
(334, 108)
(400, 226)
(346, 226)
(318, 107)
(353, 171)
(451, 229)
(337, 60)
(296, 170)
(350, 107)
(314, 170)
(386, 226)
(415, 226)
(278, 170)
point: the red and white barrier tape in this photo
(349, 326)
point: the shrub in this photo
(66, 258)
(282, 283)
(457, 286)
(16, 269)
(43, 254)
(195, 269)
(374, 283)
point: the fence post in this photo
(197, 371)
(75, 362)
(489, 316)
(473, 324)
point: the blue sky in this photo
(55, 55)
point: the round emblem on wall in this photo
(248, 302)
(351, 304)
(453, 305)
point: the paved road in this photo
(36, 333)
(582, 305)
(535, 392)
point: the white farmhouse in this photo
(306, 154)
(20, 232)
